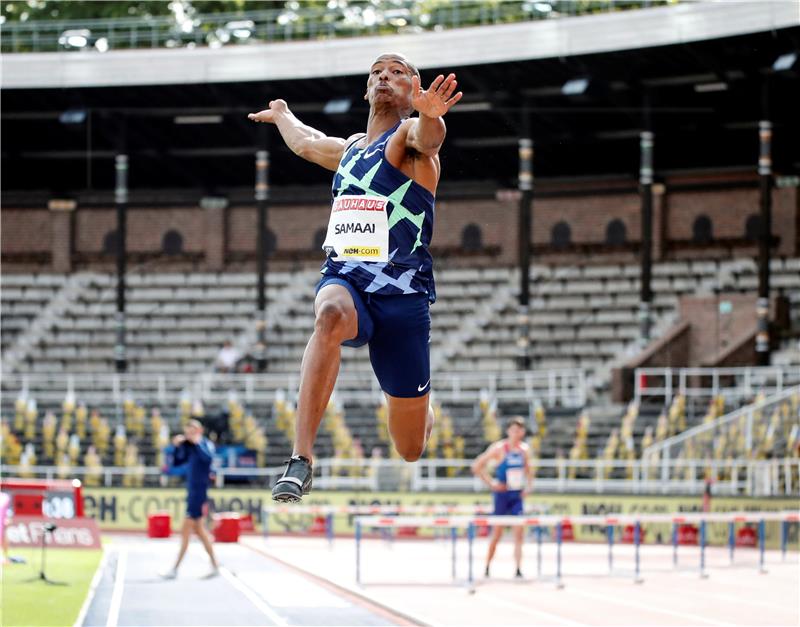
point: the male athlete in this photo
(512, 476)
(377, 282)
(196, 453)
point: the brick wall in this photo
(146, 228)
(217, 236)
(587, 216)
(294, 227)
(714, 332)
(25, 230)
(61, 239)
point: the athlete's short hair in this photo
(401, 58)
(195, 424)
(516, 420)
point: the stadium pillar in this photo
(525, 184)
(262, 198)
(764, 241)
(121, 199)
(646, 193)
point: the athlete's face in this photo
(515, 433)
(389, 82)
(192, 432)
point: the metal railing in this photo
(734, 384)
(739, 436)
(775, 477)
(285, 24)
(566, 388)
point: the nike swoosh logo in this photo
(368, 154)
(422, 387)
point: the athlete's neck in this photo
(381, 119)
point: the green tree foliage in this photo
(24, 10)
(28, 10)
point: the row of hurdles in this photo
(472, 521)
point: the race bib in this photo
(358, 229)
(515, 478)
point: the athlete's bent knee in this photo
(410, 451)
(331, 319)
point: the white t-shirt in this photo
(228, 357)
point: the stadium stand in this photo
(582, 316)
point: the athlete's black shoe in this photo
(518, 574)
(295, 481)
(486, 572)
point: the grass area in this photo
(27, 603)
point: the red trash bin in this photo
(407, 532)
(320, 525)
(246, 523)
(746, 536)
(226, 527)
(628, 534)
(158, 525)
(687, 534)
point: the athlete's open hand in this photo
(276, 107)
(438, 98)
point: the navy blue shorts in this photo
(397, 328)
(507, 503)
(194, 505)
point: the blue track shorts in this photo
(195, 501)
(507, 503)
(397, 328)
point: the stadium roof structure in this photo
(703, 99)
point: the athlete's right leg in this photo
(336, 321)
(186, 532)
(519, 537)
(200, 532)
(497, 532)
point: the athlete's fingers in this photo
(446, 93)
(436, 82)
(454, 100)
(446, 83)
(415, 88)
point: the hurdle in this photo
(471, 523)
(328, 512)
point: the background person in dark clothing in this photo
(196, 453)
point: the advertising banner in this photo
(69, 533)
(127, 509)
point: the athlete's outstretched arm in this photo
(426, 133)
(303, 140)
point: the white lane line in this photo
(119, 585)
(87, 602)
(542, 615)
(693, 618)
(252, 596)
